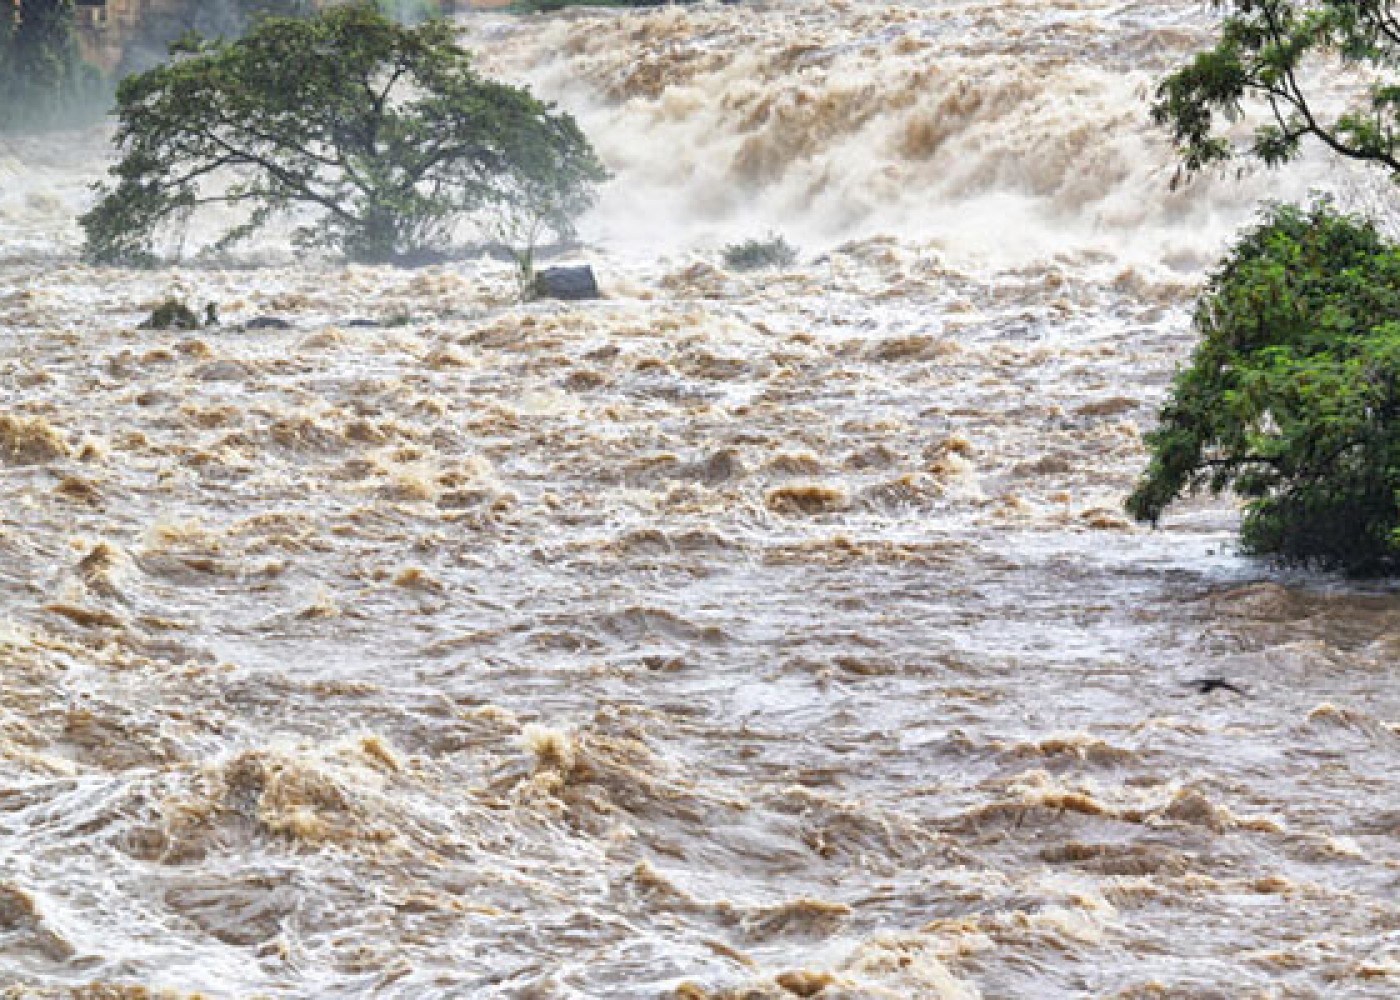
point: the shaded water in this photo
(760, 636)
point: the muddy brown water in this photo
(740, 635)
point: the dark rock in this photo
(267, 323)
(1205, 685)
(723, 466)
(569, 283)
(222, 371)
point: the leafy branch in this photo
(384, 132)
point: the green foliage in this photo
(43, 78)
(383, 134)
(1262, 47)
(751, 255)
(1292, 399)
(173, 314)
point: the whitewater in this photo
(739, 635)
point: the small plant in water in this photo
(172, 314)
(752, 255)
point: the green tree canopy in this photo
(1263, 53)
(382, 135)
(1292, 398)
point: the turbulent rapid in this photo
(741, 635)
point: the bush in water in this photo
(1292, 398)
(771, 251)
(173, 314)
(383, 132)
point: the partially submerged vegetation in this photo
(175, 314)
(382, 136)
(754, 254)
(385, 146)
(1292, 399)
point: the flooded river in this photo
(757, 635)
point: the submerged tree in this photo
(1262, 54)
(382, 135)
(1292, 398)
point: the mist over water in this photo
(960, 123)
(740, 635)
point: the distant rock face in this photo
(123, 34)
(571, 283)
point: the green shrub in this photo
(173, 314)
(751, 255)
(1292, 398)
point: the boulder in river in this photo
(267, 323)
(570, 283)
